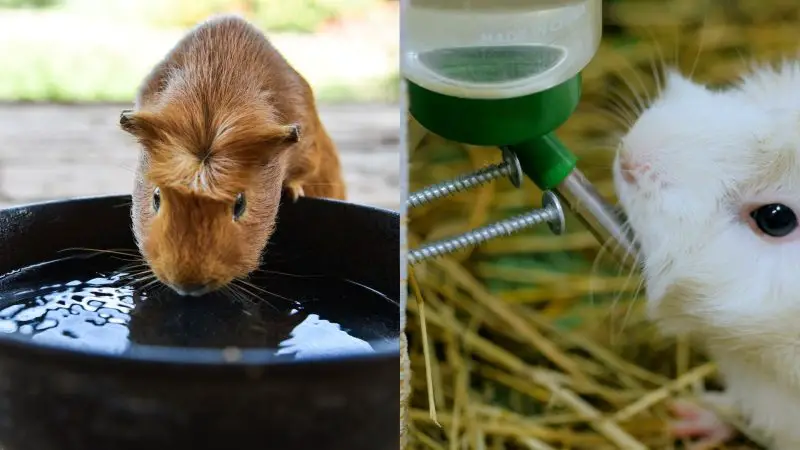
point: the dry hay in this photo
(535, 341)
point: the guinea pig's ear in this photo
(137, 124)
(292, 133)
(275, 138)
(127, 121)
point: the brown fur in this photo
(222, 114)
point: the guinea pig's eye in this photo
(774, 219)
(239, 206)
(156, 199)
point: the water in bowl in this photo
(296, 315)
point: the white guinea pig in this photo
(710, 183)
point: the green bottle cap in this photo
(494, 122)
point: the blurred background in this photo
(538, 341)
(67, 67)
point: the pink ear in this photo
(677, 84)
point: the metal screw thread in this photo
(483, 234)
(460, 183)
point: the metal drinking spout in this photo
(605, 222)
(552, 166)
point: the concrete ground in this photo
(51, 152)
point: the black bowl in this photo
(192, 394)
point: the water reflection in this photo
(104, 314)
(315, 337)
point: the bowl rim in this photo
(191, 358)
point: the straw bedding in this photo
(538, 342)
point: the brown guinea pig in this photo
(225, 124)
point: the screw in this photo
(550, 212)
(508, 168)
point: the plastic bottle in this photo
(497, 49)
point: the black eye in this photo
(239, 206)
(156, 199)
(775, 219)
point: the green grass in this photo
(302, 16)
(107, 65)
(385, 89)
(29, 4)
(35, 71)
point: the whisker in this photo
(623, 122)
(242, 288)
(618, 295)
(142, 277)
(595, 269)
(627, 105)
(701, 43)
(288, 274)
(622, 119)
(115, 254)
(135, 266)
(155, 281)
(145, 280)
(677, 45)
(608, 247)
(659, 78)
(131, 266)
(114, 251)
(741, 56)
(640, 101)
(260, 289)
(346, 280)
(632, 302)
(161, 287)
(374, 291)
(238, 296)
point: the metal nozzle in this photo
(600, 218)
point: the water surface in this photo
(91, 304)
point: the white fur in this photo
(709, 154)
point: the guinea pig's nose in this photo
(191, 289)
